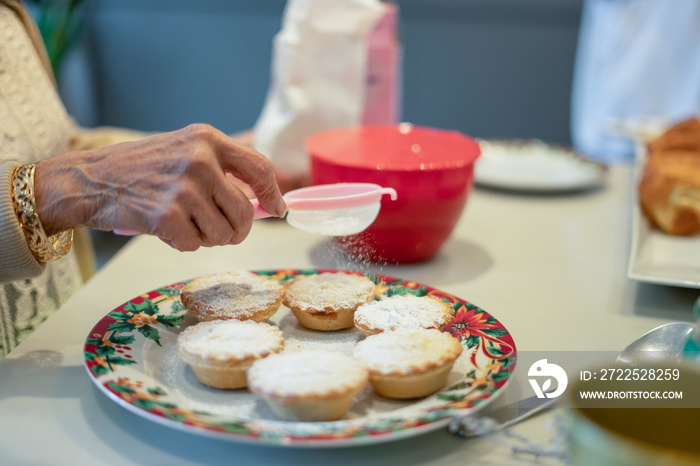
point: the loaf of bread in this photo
(669, 190)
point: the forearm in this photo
(65, 196)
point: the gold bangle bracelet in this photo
(45, 248)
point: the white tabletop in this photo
(551, 268)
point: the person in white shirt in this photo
(637, 63)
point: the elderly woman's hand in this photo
(171, 185)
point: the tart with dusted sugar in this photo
(308, 385)
(219, 352)
(408, 362)
(232, 295)
(403, 311)
(327, 301)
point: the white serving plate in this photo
(534, 165)
(657, 257)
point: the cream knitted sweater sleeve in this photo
(33, 126)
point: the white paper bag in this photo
(335, 64)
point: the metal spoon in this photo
(661, 343)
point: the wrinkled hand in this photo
(171, 185)
(286, 180)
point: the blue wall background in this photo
(489, 68)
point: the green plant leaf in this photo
(494, 332)
(104, 351)
(156, 391)
(118, 315)
(121, 339)
(506, 362)
(497, 377)
(99, 370)
(147, 306)
(177, 307)
(121, 388)
(450, 396)
(150, 333)
(119, 361)
(169, 321)
(471, 342)
(398, 291)
(145, 404)
(233, 427)
(169, 291)
(121, 327)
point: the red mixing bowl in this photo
(431, 169)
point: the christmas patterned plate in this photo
(130, 355)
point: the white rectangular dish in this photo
(657, 257)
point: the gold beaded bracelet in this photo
(45, 248)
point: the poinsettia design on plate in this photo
(478, 330)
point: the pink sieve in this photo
(338, 209)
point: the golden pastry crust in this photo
(408, 362)
(219, 352)
(308, 385)
(669, 195)
(411, 386)
(232, 295)
(403, 311)
(682, 137)
(669, 190)
(327, 301)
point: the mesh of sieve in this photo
(334, 222)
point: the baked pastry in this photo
(669, 189)
(308, 385)
(327, 301)
(408, 362)
(219, 352)
(403, 311)
(232, 295)
(681, 137)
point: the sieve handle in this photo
(259, 212)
